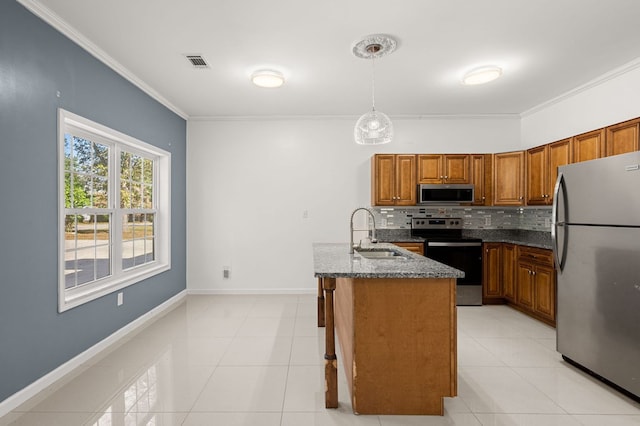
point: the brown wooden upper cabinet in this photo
(588, 146)
(480, 177)
(622, 137)
(393, 180)
(508, 179)
(542, 170)
(439, 168)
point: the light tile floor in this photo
(258, 360)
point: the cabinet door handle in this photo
(446, 177)
(520, 198)
(483, 198)
(441, 177)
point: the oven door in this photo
(463, 255)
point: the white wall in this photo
(614, 100)
(250, 182)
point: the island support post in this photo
(320, 303)
(330, 359)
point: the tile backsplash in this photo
(528, 218)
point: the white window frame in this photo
(119, 278)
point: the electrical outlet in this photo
(120, 298)
(487, 221)
(226, 272)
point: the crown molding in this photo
(63, 27)
(423, 117)
(617, 72)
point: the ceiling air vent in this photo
(197, 61)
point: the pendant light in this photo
(374, 127)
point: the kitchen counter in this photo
(335, 261)
(396, 322)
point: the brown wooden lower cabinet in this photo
(492, 273)
(509, 259)
(536, 284)
(413, 247)
(521, 276)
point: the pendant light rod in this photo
(373, 82)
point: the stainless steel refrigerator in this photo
(596, 236)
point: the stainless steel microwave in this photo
(445, 193)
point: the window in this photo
(114, 194)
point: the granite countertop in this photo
(520, 236)
(335, 261)
(518, 242)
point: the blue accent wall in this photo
(37, 62)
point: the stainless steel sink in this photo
(380, 254)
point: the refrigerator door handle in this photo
(559, 193)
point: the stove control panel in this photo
(436, 223)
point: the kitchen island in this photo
(396, 322)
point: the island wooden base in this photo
(398, 343)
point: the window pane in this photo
(148, 170)
(136, 168)
(70, 226)
(68, 193)
(138, 240)
(101, 160)
(70, 268)
(127, 241)
(125, 195)
(149, 234)
(68, 152)
(82, 154)
(136, 196)
(103, 246)
(147, 202)
(149, 250)
(100, 192)
(125, 165)
(138, 245)
(86, 265)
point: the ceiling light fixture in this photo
(374, 127)
(481, 75)
(267, 78)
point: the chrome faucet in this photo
(373, 232)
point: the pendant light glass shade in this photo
(373, 128)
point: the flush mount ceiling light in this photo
(267, 78)
(374, 127)
(481, 75)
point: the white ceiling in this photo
(546, 48)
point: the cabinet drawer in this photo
(413, 247)
(537, 255)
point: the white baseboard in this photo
(23, 395)
(251, 291)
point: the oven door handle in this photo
(452, 244)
